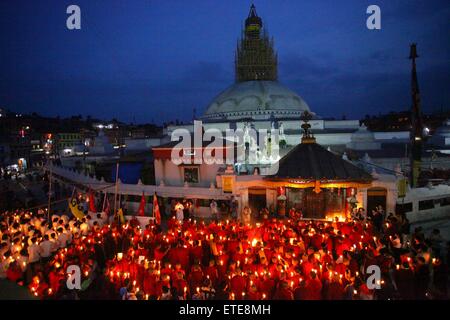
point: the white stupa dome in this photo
(256, 100)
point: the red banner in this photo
(141, 211)
(156, 212)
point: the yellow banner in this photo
(401, 187)
(227, 184)
(76, 209)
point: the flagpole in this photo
(104, 202)
(49, 193)
(153, 206)
(116, 188)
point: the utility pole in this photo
(49, 192)
(116, 188)
(416, 134)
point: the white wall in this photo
(141, 144)
(172, 175)
(401, 135)
(341, 124)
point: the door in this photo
(376, 197)
(314, 204)
(256, 200)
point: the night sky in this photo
(154, 61)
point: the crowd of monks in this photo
(271, 259)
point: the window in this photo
(445, 202)
(404, 207)
(426, 204)
(191, 175)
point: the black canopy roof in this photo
(310, 161)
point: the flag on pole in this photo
(120, 215)
(141, 211)
(92, 207)
(156, 212)
(107, 206)
(76, 208)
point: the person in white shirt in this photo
(49, 232)
(5, 240)
(100, 220)
(34, 251)
(47, 247)
(213, 207)
(179, 212)
(23, 259)
(65, 219)
(4, 264)
(16, 247)
(104, 217)
(55, 220)
(84, 227)
(3, 248)
(72, 226)
(43, 228)
(63, 238)
(90, 221)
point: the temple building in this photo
(346, 159)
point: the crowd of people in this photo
(290, 258)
